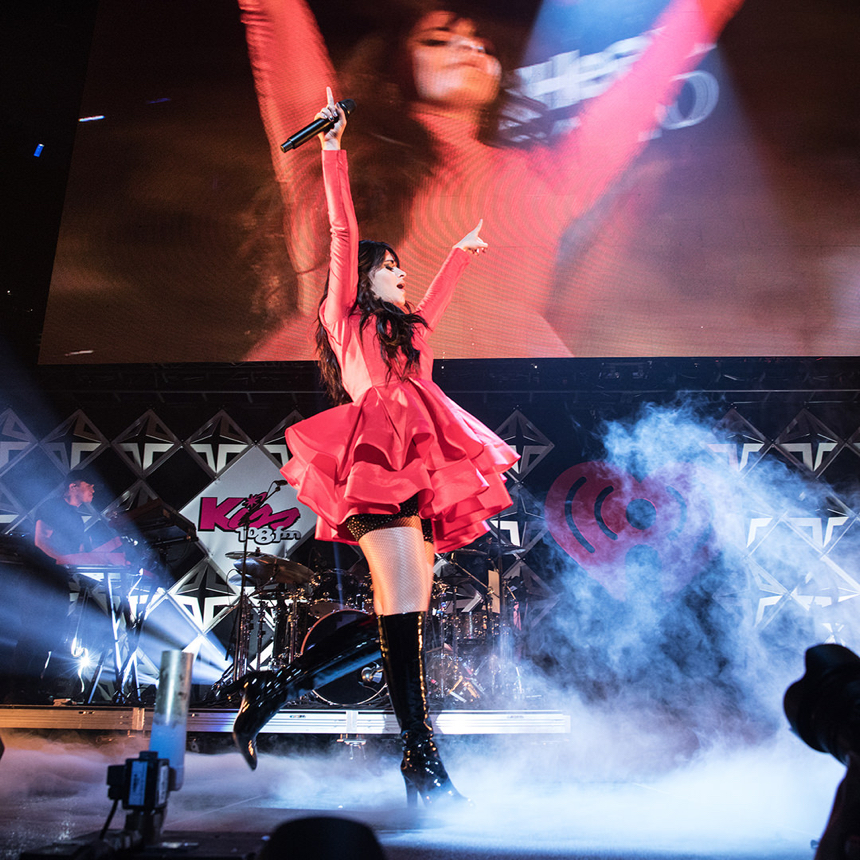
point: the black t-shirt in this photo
(67, 525)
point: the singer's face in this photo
(386, 282)
(451, 64)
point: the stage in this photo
(307, 721)
(644, 723)
(611, 788)
(664, 332)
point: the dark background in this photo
(793, 71)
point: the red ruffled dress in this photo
(398, 438)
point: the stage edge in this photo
(317, 722)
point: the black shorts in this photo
(360, 524)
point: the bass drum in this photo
(363, 687)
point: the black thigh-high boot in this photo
(401, 640)
(348, 649)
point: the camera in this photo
(823, 707)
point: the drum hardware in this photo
(476, 659)
(469, 624)
(253, 567)
(468, 639)
(451, 678)
(286, 583)
(370, 674)
(288, 571)
(465, 688)
(354, 745)
(249, 572)
(474, 626)
(282, 592)
(295, 599)
(494, 666)
(290, 620)
(449, 657)
(263, 569)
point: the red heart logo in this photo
(650, 535)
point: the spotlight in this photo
(823, 707)
(85, 662)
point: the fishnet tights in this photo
(401, 566)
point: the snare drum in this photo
(357, 688)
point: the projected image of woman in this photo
(397, 468)
(430, 94)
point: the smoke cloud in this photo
(684, 625)
(671, 659)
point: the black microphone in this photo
(316, 127)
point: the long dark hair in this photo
(392, 152)
(395, 327)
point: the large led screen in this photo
(655, 178)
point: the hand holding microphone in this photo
(326, 120)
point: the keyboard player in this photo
(59, 522)
(44, 594)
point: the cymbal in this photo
(235, 579)
(256, 570)
(256, 555)
(265, 568)
(291, 571)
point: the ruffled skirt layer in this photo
(397, 441)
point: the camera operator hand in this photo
(841, 837)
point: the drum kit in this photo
(469, 644)
(467, 639)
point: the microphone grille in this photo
(347, 105)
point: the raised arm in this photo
(343, 264)
(615, 125)
(291, 67)
(439, 294)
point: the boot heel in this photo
(263, 695)
(423, 770)
(411, 792)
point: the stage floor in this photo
(586, 796)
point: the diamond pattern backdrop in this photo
(148, 459)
